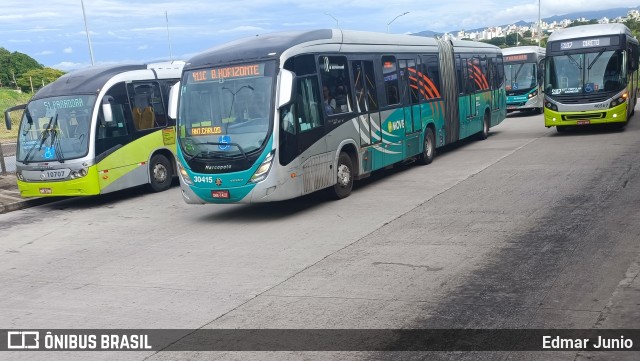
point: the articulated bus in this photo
(98, 130)
(591, 76)
(524, 72)
(282, 115)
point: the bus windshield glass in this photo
(586, 73)
(226, 111)
(520, 76)
(55, 129)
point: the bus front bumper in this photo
(85, 186)
(617, 114)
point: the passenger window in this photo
(121, 114)
(390, 74)
(308, 104)
(334, 74)
(146, 106)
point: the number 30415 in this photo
(201, 179)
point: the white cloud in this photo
(245, 28)
(68, 50)
(143, 47)
(45, 52)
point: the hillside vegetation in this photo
(8, 99)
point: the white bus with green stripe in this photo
(591, 76)
(98, 130)
(282, 115)
(524, 73)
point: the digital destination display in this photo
(584, 43)
(519, 58)
(206, 130)
(64, 103)
(231, 72)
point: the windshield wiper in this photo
(574, 62)
(55, 141)
(200, 154)
(594, 60)
(41, 138)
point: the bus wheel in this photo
(160, 173)
(343, 186)
(429, 151)
(484, 134)
(561, 128)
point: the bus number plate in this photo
(220, 194)
(584, 122)
(45, 191)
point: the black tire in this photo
(429, 150)
(344, 171)
(484, 133)
(160, 173)
(561, 128)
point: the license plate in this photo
(511, 107)
(584, 122)
(45, 191)
(220, 194)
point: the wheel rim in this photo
(428, 147)
(160, 173)
(344, 175)
(485, 127)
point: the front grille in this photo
(582, 98)
(600, 115)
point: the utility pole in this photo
(86, 29)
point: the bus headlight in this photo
(184, 175)
(551, 106)
(78, 173)
(619, 101)
(19, 176)
(533, 93)
(263, 170)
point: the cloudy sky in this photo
(53, 31)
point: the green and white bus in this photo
(591, 76)
(524, 73)
(98, 130)
(281, 115)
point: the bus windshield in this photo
(55, 129)
(226, 111)
(586, 73)
(520, 76)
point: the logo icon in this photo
(23, 340)
(224, 141)
(49, 152)
(218, 182)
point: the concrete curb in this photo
(26, 203)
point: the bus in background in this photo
(524, 72)
(281, 115)
(98, 130)
(591, 76)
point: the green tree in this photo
(497, 41)
(14, 65)
(37, 77)
(527, 34)
(579, 23)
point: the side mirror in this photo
(286, 87)
(7, 117)
(173, 101)
(106, 109)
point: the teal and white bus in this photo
(281, 115)
(524, 74)
(591, 76)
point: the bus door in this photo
(368, 114)
(411, 102)
(112, 134)
(392, 115)
(310, 124)
(468, 98)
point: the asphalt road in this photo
(527, 229)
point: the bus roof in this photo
(273, 45)
(92, 79)
(524, 50)
(585, 31)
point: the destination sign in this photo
(240, 71)
(206, 130)
(519, 58)
(64, 103)
(584, 43)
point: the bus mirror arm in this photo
(173, 101)
(7, 117)
(286, 88)
(106, 109)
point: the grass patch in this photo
(8, 99)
